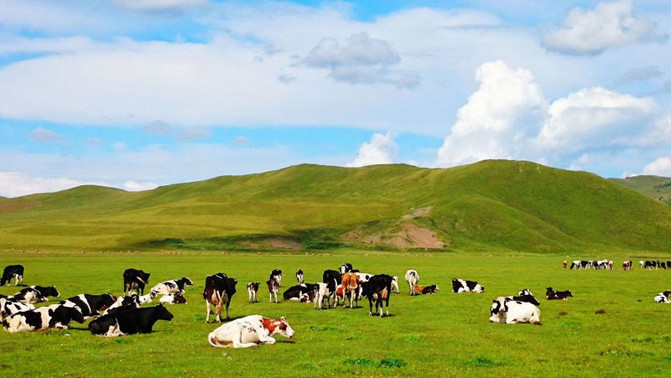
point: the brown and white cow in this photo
(252, 330)
(350, 287)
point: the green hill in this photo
(655, 187)
(487, 205)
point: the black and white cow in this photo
(129, 321)
(9, 306)
(345, 268)
(252, 290)
(123, 303)
(299, 276)
(219, 290)
(378, 289)
(176, 298)
(54, 316)
(134, 279)
(277, 275)
(333, 279)
(35, 294)
(550, 294)
(171, 287)
(299, 293)
(663, 297)
(12, 271)
(466, 286)
(509, 311)
(89, 304)
(412, 278)
(323, 296)
(273, 288)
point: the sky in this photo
(136, 94)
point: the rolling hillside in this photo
(655, 187)
(484, 206)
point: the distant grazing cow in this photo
(176, 298)
(219, 290)
(273, 288)
(345, 268)
(54, 316)
(277, 275)
(431, 289)
(663, 297)
(249, 331)
(323, 295)
(12, 271)
(626, 265)
(134, 279)
(565, 264)
(252, 290)
(466, 286)
(554, 295)
(9, 306)
(35, 294)
(90, 305)
(378, 289)
(171, 287)
(299, 276)
(129, 321)
(412, 278)
(350, 286)
(509, 311)
(300, 293)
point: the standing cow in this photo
(134, 279)
(412, 278)
(12, 271)
(219, 290)
(378, 289)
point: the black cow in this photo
(296, 293)
(12, 271)
(378, 288)
(35, 294)
(219, 290)
(129, 321)
(554, 295)
(134, 279)
(54, 316)
(89, 304)
(332, 279)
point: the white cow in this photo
(412, 278)
(249, 331)
(507, 311)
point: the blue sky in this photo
(136, 94)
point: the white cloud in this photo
(380, 150)
(43, 135)
(160, 5)
(499, 118)
(15, 184)
(659, 167)
(591, 32)
(134, 186)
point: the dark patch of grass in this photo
(366, 362)
(385, 363)
(653, 339)
(391, 362)
(483, 362)
(598, 312)
(325, 329)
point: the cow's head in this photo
(162, 313)
(283, 328)
(497, 311)
(187, 281)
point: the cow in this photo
(663, 297)
(509, 311)
(431, 289)
(134, 279)
(299, 276)
(123, 303)
(565, 264)
(333, 279)
(298, 292)
(273, 288)
(466, 286)
(176, 298)
(350, 287)
(323, 294)
(252, 330)
(89, 304)
(252, 289)
(345, 268)
(171, 287)
(412, 278)
(554, 295)
(12, 271)
(35, 294)
(53, 316)
(626, 265)
(378, 288)
(277, 275)
(525, 292)
(219, 290)
(129, 321)
(9, 306)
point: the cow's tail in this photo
(215, 342)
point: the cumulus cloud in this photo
(380, 150)
(363, 60)
(134, 186)
(593, 31)
(659, 167)
(499, 118)
(15, 184)
(43, 135)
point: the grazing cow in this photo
(663, 297)
(252, 289)
(345, 268)
(122, 303)
(554, 295)
(134, 279)
(176, 298)
(508, 311)
(394, 284)
(273, 288)
(9, 307)
(350, 287)
(35, 294)
(323, 294)
(299, 276)
(626, 265)
(565, 264)
(412, 278)
(378, 288)
(54, 316)
(129, 321)
(299, 292)
(89, 304)
(249, 331)
(171, 287)
(431, 289)
(12, 271)
(466, 286)
(277, 275)
(219, 290)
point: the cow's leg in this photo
(207, 317)
(387, 302)
(227, 315)
(370, 306)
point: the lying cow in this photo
(412, 278)
(663, 297)
(176, 298)
(431, 289)
(378, 289)
(35, 294)
(55, 316)
(252, 330)
(122, 303)
(134, 279)
(554, 295)
(129, 321)
(9, 306)
(466, 286)
(90, 305)
(219, 290)
(171, 287)
(12, 271)
(252, 290)
(299, 293)
(509, 311)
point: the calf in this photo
(249, 331)
(378, 288)
(219, 290)
(412, 278)
(509, 311)
(431, 289)
(129, 321)
(176, 298)
(466, 286)
(299, 276)
(35, 294)
(663, 297)
(252, 289)
(12, 271)
(273, 288)
(277, 275)
(171, 287)
(9, 307)
(54, 316)
(554, 295)
(90, 305)
(134, 279)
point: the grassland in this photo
(610, 328)
(656, 187)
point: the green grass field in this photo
(611, 327)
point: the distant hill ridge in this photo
(494, 204)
